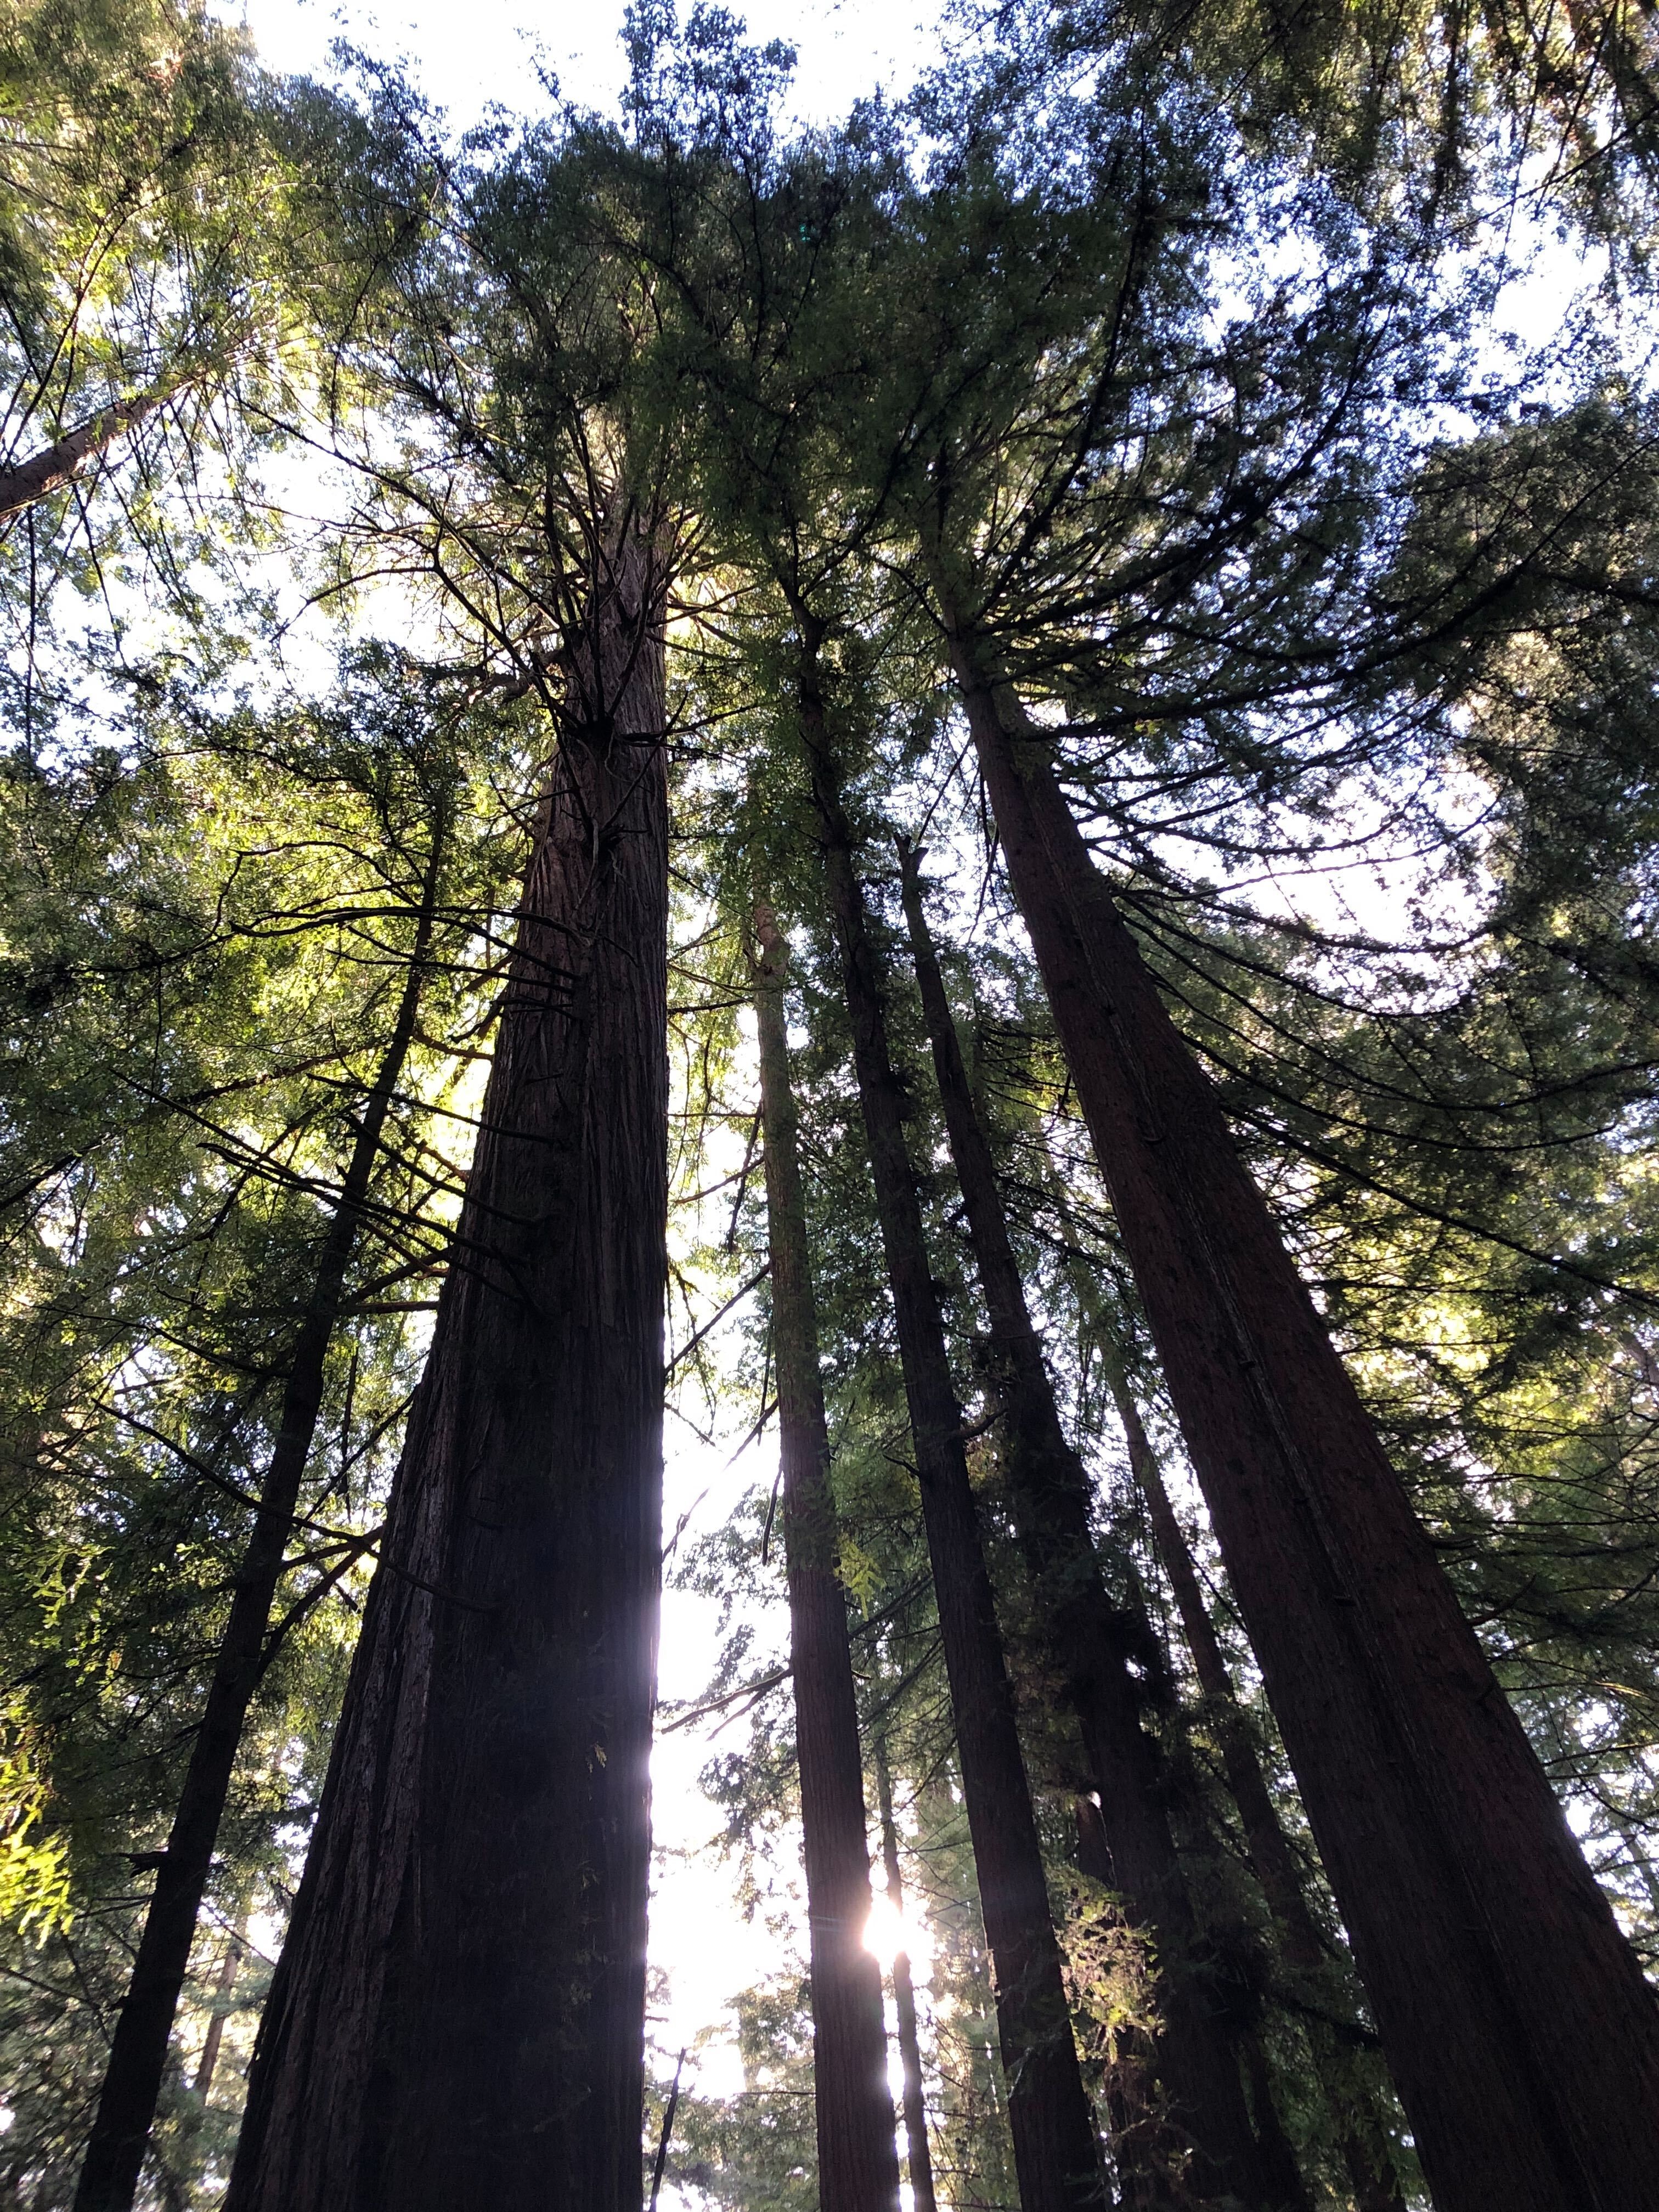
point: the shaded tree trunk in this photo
(224, 1986)
(458, 2017)
(918, 2152)
(1056, 2151)
(1361, 2138)
(858, 2165)
(138, 2050)
(1522, 2035)
(1193, 2058)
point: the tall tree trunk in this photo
(1056, 2151)
(858, 2165)
(29, 481)
(1360, 2138)
(1522, 2035)
(918, 2152)
(1193, 2057)
(458, 2017)
(223, 1986)
(138, 2050)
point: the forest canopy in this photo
(949, 818)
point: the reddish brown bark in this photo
(1056, 2151)
(1522, 2036)
(138, 2049)
(1304, 1949)
(857, 2165)
(918, 2152)
(1049, 1489)
(458, 2015)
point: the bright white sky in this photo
(465, 54)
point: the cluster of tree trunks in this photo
(1522, 2034)
(1090, 1644)
(1056, 2151)
(459, 2012)
(858, 2164)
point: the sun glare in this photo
(886, 1933)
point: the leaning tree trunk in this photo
(1192, 2057)
(27, 483)
(1304, 1949)
(1522, 2035)
(858, 2165)
(1056, 2151)
(458, 2015)
(138, 2049)
(918, 2152)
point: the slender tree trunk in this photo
(458, 2018)
(858, 2165)
(918, 2153)
(138, 2050)
(1193, 2058)
(1304, 1949)
(208, 2064)
(58, 463)
(1522, 2035)
(1056, 2151)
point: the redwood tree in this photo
(1521, 2031)
(858, 2166)
(458, 2013)
(1088, 1639)
(1056, 2151)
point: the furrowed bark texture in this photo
(1055, 2151)
(857, 2165)
(138, 2049)
(918, 2152)
(1360, 2139)
(458, 2015)
(1193, 2058)
(1522, 2035)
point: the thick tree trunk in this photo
(1303, 1948)
(137, 2058)
(458, 2015)
(858, 2165)
(918, 2152)
(1193, 2057)
(1056, 2151)
(29, 481)
(1522, 2035)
